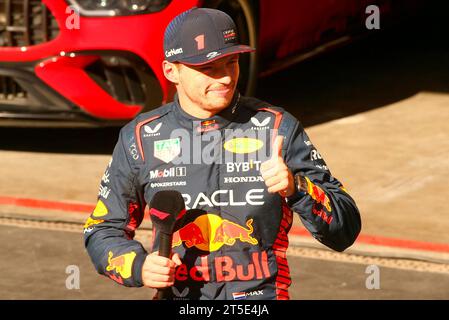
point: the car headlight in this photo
(117, 7)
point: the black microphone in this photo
(165, 208)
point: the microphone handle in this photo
(165, 246)
(165, 242)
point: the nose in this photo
(225, 79)
(224, 75)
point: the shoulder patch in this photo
(147, 128)
(256, 104)
(132, 131)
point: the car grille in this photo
(10, 90)
(25, 23)
(120, 78)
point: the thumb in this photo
(177, 259)
(277, 147)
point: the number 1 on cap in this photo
(200, 41)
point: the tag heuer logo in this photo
(167, 150)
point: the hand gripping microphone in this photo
(165, 208)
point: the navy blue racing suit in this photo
(233, 239)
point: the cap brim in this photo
(207, 57)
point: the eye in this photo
(208, 68)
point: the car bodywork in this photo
(63, 64)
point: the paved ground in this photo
(377, 110)
(37, 262)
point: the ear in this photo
(170, 71)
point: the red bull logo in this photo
(229, 232)
(121, 264)
(210, 232)
(190, 234)
(117, 279)
(322, 215)
(318, 195)
(226, 269)
(90, 224)
(207, 125)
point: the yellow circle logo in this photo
(243, 145)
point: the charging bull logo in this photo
(229, 232)
(121, 264)
(210, 232)
(207, 125)
(191, 234)
(90, 224)
(318, 195)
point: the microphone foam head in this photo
(165, 207)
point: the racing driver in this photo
(242, 166)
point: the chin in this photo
(222, 104)
(219, 103)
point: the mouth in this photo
(220, 91)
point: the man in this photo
(241, 165)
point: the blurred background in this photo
(369, 80)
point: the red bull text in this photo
(225, 269)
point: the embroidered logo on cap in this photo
(212, 55)
(173, 52)
(229, 36)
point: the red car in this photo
(98, 62)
